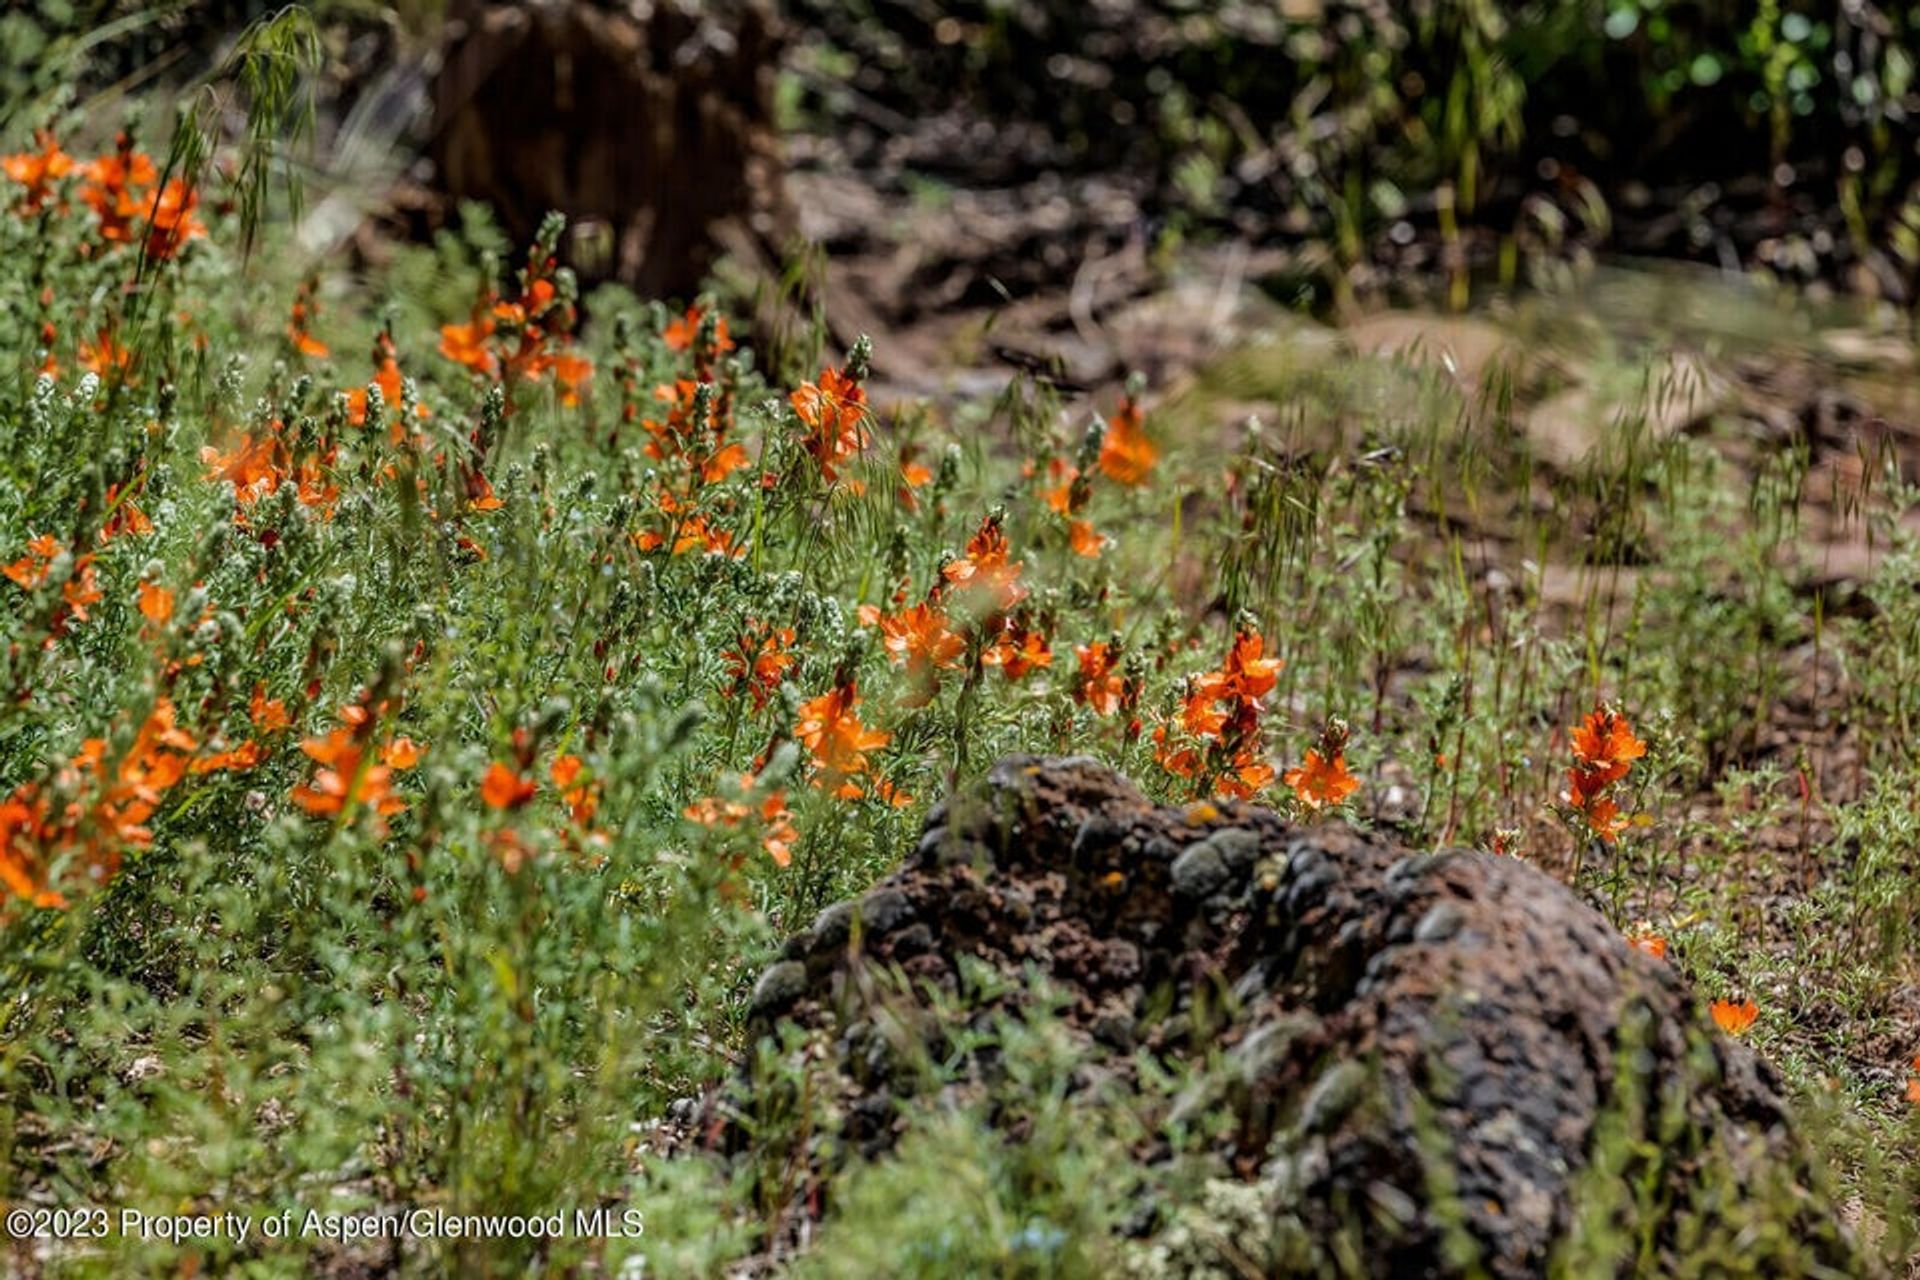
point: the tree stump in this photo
(649, 125)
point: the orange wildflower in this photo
(777, 832)
(1099, 684)
(1126, 454)
(1018, 650)
(760, 661)
(31, 569)
(104, 356)
(156, 603)
(1322, 777)
(345, 779)
(1071, 493)
(1732, 1018)
(682, 330)
(833, 410)
(305, 311)
(986, 569)
(170, 221)
(480, 494)
(1247, 674)
(696, 534)
(23, 865)
(245, 756)
(919, 638)
(582, 798)
(506, 788)
(467, 344)
(570, 373)
(92, 832)
(1321, 780)
(1220, 712)
(1085, 539)
(402, 753)
(124, 515)
(1604, 749)
(1643, 938)
(114, 188)
(37, 171)
(83, 588)
(829, 727)
(269, 715)
(1605, 746)
(254, 467)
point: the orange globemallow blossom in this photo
(92, 830)
(269, 715)
(1219, 740)
(832, 409)
(694, 534)
(254, 467)
(1605, 746)
(1322, 777)
(104, 356)
(299, 324)
(1246, 674)
(156, 603)
(1099, 683)
(681, 331)
(1732, 1018)
(920, 638)
(1321, 781)
(760, 660)
(480, 494)
(1126, 454)
(346, 777)
(467, 344)
(245, 756)
(31, 569)
(402, 753)
(83, 588)
(1018, 650)
(170, 220)
(570, 373)
(582, 798)
(23, 867)
(829, 727)
(37, 171)
(124, 515)
(986, 572)
(115, 188)
(386, 376)
(1643, 938)
(506, 788)
(777, 832)
(1604, 749)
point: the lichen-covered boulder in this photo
(1436, 1063)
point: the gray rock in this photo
(779, 986)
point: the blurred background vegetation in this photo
(1445, 137)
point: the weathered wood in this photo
(649, 125)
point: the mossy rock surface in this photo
(1428, 1063)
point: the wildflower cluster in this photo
(1217, 740)
(122, 189)
(497, 684)
(1604, 749)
